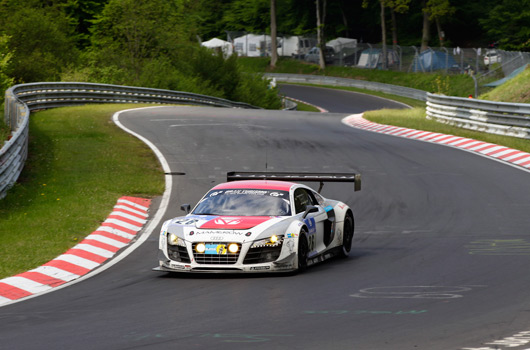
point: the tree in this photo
(274, 44)
(384, 56)
(396, 6)
(383, 34)
(5, 57)
(321, 19)
(42, 41)
(508, 23)
(128, 33)
(426, 31)
(437, 10)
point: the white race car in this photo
(259, 222)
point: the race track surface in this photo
(440, 255)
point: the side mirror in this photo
(310, 209)
(186, 208)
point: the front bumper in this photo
(283, 264)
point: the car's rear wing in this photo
(301, 177)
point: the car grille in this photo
(178, 253)
(216, 259)
(262, 254)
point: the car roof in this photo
(256, 184)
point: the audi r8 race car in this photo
(259, 222)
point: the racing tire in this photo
(347, 235)
(303, 251)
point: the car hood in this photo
(233, 222)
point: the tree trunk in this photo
(394, 29)
(320, 32)
(383, 35)
(426, 28)
(344, 21)
(440, 32)
(274, 44)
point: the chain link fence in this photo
(486, 65)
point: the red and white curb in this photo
(117, 231)
(320, 109)
(500, 153)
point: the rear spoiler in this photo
(302, 177)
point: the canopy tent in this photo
(253, 45)
(430, 60)
(220, 45)
(373, 58)
(340, 43)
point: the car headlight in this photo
(173, 239)
(272, 241)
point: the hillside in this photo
(516, 90)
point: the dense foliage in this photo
(155, 43)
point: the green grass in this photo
(304, 107)
(79, 164)
(449, 84)
(4, 132)
(516, 90)
(415, 119)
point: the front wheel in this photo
(347, 235)
(303, 251)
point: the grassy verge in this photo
(415, 119)
(304, 107)
(79, 164)
(449, 84)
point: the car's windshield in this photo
(244, 202)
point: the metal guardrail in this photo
(508, 119)
(360, 84)
(20, 100)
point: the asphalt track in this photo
(440, 257)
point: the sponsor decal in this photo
(257, 268)
(227, 221)
(251, 192)
(219, 249)
(276, 194)
(291, 235)
(179, 267)
(184, 221)
(328, 208)
(216, 232)
(235, 222)
(311, 225)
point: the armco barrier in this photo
(20, 100)
(360, 84)
(508, 119)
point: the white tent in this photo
(253, 45)
(219, 45)
(296, 46)
(339, 44)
